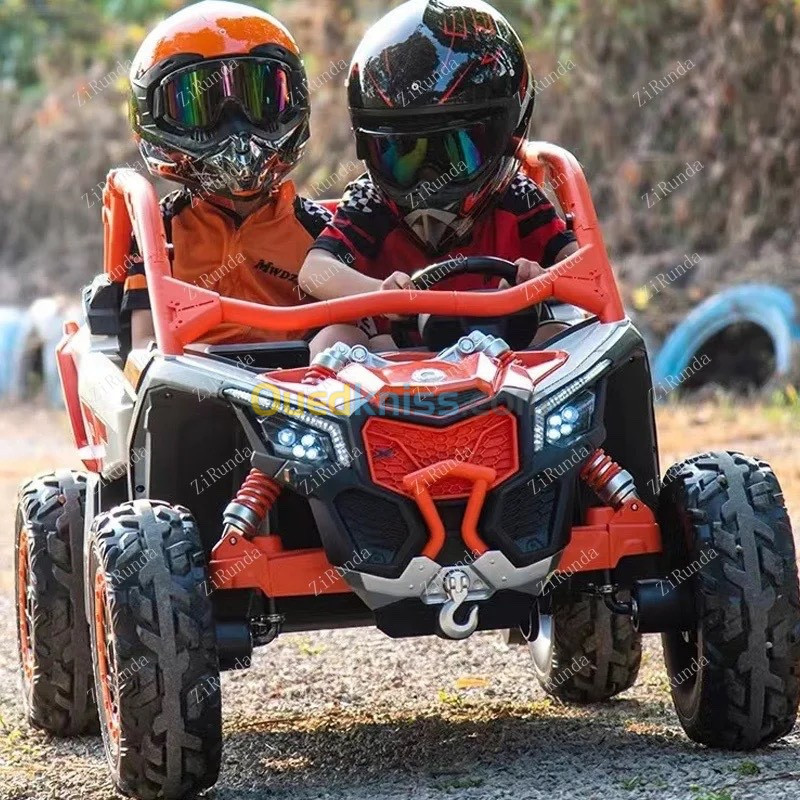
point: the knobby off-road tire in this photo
(52, 632)
(584, 653)
(734, 678)
(155, 659)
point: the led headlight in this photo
(567, 414)
(570, 420)
(290, 439)
(296, 433)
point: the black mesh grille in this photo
(527, 516)
(430, 405)
(374, 524)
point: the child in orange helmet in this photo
(219, 104)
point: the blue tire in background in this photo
(768, 307)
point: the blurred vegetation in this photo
(736, 110)
(41, 39)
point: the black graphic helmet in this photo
(440, 96)
(219, 99)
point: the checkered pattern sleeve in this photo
(542, 233)
(359, 227)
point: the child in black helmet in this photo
(440, 96)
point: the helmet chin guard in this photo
(243, 166)
(436, 228)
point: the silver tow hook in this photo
(456, 587)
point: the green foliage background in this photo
(737, 111)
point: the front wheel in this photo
(584, 653)
(735, 676)
(156, 670)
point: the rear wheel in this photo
(155, 659)
(735, 677)
(585, 653)
(52, 633)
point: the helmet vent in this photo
(201, 135)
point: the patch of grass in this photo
(631, 783)
(308, 649)
(541, 706)
(450, 699)
(748, 768)
(711, 794)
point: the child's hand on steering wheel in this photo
(397, 280)
(526, 271)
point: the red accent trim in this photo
(68, 375)
(401, 454)
(386, 99)
(599, 470)
(258, 493)
(262, 563)
(183, 313)
(449, 92)
(611, 535)
(533, 211)
(97, 428)
(316, 374)
(347, 223)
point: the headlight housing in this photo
(298, 442)
(569, 421)
(567, 414)
(295, 433)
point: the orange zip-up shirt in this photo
(256, 258)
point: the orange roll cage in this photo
(183, 313)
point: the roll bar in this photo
(182, 312)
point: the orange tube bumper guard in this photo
(417, 485)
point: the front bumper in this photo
(263, 564)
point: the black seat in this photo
(102, 303)
(257, 357)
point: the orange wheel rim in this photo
(25, 609)
(106, 662)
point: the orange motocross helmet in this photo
(219, 100)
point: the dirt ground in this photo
(358, 716)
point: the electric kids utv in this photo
(233, 493)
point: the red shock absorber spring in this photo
(612, 484)
(255, 498)
(317, 373)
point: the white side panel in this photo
(103, 387)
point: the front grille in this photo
(527, 516)
(396, 448)
(373, 523)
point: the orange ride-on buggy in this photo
(233, 493)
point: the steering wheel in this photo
(438, 332)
